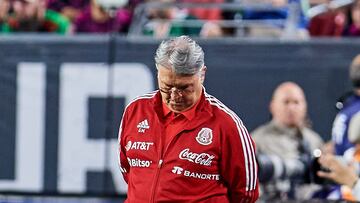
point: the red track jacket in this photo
(211, 160)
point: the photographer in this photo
(285, 146)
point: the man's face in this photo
(288, 106)
(179, 92)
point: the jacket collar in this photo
(189, 114)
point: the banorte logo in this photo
(177, 170)
(202, 159)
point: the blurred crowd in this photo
(66, 16)
(204, 18)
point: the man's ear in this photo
(202, 74)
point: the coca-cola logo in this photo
(202, 158)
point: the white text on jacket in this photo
(139, 163)
(180, 171)
(202, 159)
(138, 145)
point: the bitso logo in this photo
(205, 136)
(139, 163)
(142, 126)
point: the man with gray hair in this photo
(180, 144)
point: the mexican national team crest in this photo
(205, 136)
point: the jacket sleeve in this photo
(122, 158)
(238, 163)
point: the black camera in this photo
(272, 167)
(315, 168)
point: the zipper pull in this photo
(160, 163)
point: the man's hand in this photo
(338, 171)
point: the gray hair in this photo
(182, 54)
(354, 72)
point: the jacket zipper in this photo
(156, 180)
(156, 177)
(161, 160)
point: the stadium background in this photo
(62, 99)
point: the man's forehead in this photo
(290, 95)
(170, 73)
(170, 68)
(288, 90)
(176, 81)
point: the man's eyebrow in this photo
(176, 85)
(165, 84)
(183, 86)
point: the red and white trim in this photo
(249, 151)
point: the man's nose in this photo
(174, 94)
(293, 106)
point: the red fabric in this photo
(327, 24)
(194, 167)
(174, 123)
(206, 13)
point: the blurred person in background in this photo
(4, 11)
(285, 146)
(32, 16)
(329, 24)
(352, 27)
(170, 21)
(345, 170)
(332, 23)
(281, 18)
(351, 106)
(343, 144)
(103, 16)
(68, 8)
(161, 23)
(180, 144)
(342, 21)
(211, 13)
(341, 139)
